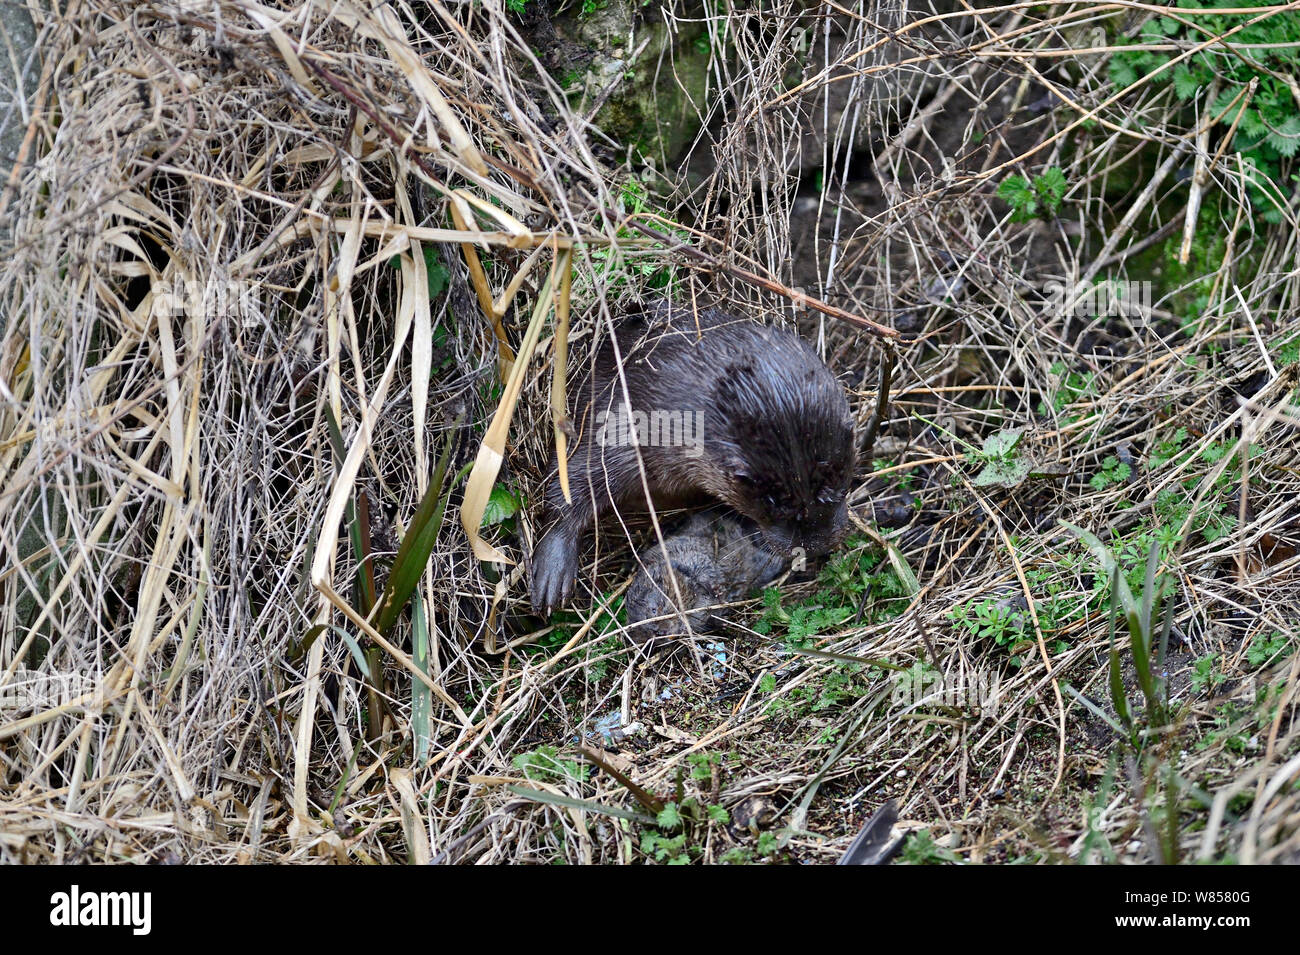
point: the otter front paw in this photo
(553, 570)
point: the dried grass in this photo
(174, 520)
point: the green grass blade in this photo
(309, 637)
(902, 570)
(417, 544)
(358, 655)
(421, 695)
(335, 435)
(1108, 563)
(1149, 589)
(1093, 708)
(1118, 698)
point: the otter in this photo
(721, 408)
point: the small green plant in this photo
(1070, 387)
(861, 575)
(1003, 464)
(1238, 723)
(1264, 650)
(1039, 198)
(545, 765)
(668, 849)
(1287, 351)
(1113, 471)
(1205, 675)
(1167, 449)
(858, 583)
(841, 683)
(1266, 52)
(503, 503)
(990, 619)
(682, 825)
(646, 268)
(921, 849)
(436, 272)
(767, 844)
(1145, 731)
(800, 623)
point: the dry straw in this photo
(224, 387)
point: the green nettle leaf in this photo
(1003, 473)
(1028, 210)
(1041, 197)
(1122, 72)
(502, 504)
(669, 817)
(1014, 189)
(1252, 125)
(1186, 83)
(1002, 443)
(1051, 185)
(1286, 137)
(1002, 467)
(1224, 100)
(439, 275)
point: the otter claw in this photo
(554, 569)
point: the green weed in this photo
(1266, 53)
(1039, 198)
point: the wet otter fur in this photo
(774, 439)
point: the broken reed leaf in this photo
(587, 805)
(648, 800)
(491, 453)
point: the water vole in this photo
(716, 558)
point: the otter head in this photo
(785, 448)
